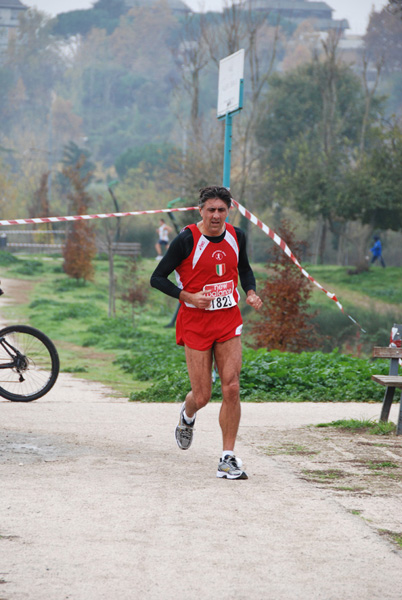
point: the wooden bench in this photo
(124, 248)
(392, 381)
(33, 248)
(127, 248)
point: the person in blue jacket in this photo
(377, 251)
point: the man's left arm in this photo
(246, 274)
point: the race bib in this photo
(221, 295)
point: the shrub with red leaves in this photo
(80, 248)
(285, 322)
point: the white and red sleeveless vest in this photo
(210, 263)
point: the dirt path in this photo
(97, 502)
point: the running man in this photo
(163, 238)
(208, 259)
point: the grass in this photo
(326, 476)
(69, 313)
(348, 488)
(136, 354)
(362, 425)
(375, 284)
(376, 466)
(289, 449)
(393, 536)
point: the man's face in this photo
(214, 214)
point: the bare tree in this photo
(192, 57)
(369, 94)
(242, 26)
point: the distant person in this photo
(163, 239)
(376, 251)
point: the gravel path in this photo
(98, 503)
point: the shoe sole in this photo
(223, 475)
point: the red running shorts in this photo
(201, 329)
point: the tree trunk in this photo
(342, 242)
(112, 306)
(322, 242)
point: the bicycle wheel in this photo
(29, 363)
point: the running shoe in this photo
(184, 431)
(231, 468)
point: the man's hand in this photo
(253, 300)
(200, 299)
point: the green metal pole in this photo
(227, 157)
(228, 150)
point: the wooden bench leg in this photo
(386, 403)
(399, 426)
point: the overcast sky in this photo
(355, 11)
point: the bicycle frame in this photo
(19, 361)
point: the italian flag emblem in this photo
(220, 269)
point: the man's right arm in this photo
(179, 249)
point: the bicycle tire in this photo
(42, 364)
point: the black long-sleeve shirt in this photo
(182, 246)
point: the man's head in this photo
(211, 192)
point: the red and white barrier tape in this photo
(275, 237)
(99, 216)
(246, 213)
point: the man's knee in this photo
(231, 390)
(201, 400)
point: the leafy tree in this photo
(311, 134)
(122, 82)
(8, 195)
(35, 56)
(33, 66)
(105, 14)
(383, 40)
(373, 189)
(286, 322)
(383, 46)
(80, 248)
(75, 157)
(151, 157)
(295, 109)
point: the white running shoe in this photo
(184, 431)
(230, 467)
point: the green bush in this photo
(7, 259)
(59, 311)
(265, 376)
(28, 267)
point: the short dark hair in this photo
(214, 191)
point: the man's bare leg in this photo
(228, 360)
(199, 366)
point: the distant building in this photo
(10, 10)
(176, 6)
(300, 10)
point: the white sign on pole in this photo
(231, 70)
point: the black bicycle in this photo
(29, 363)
